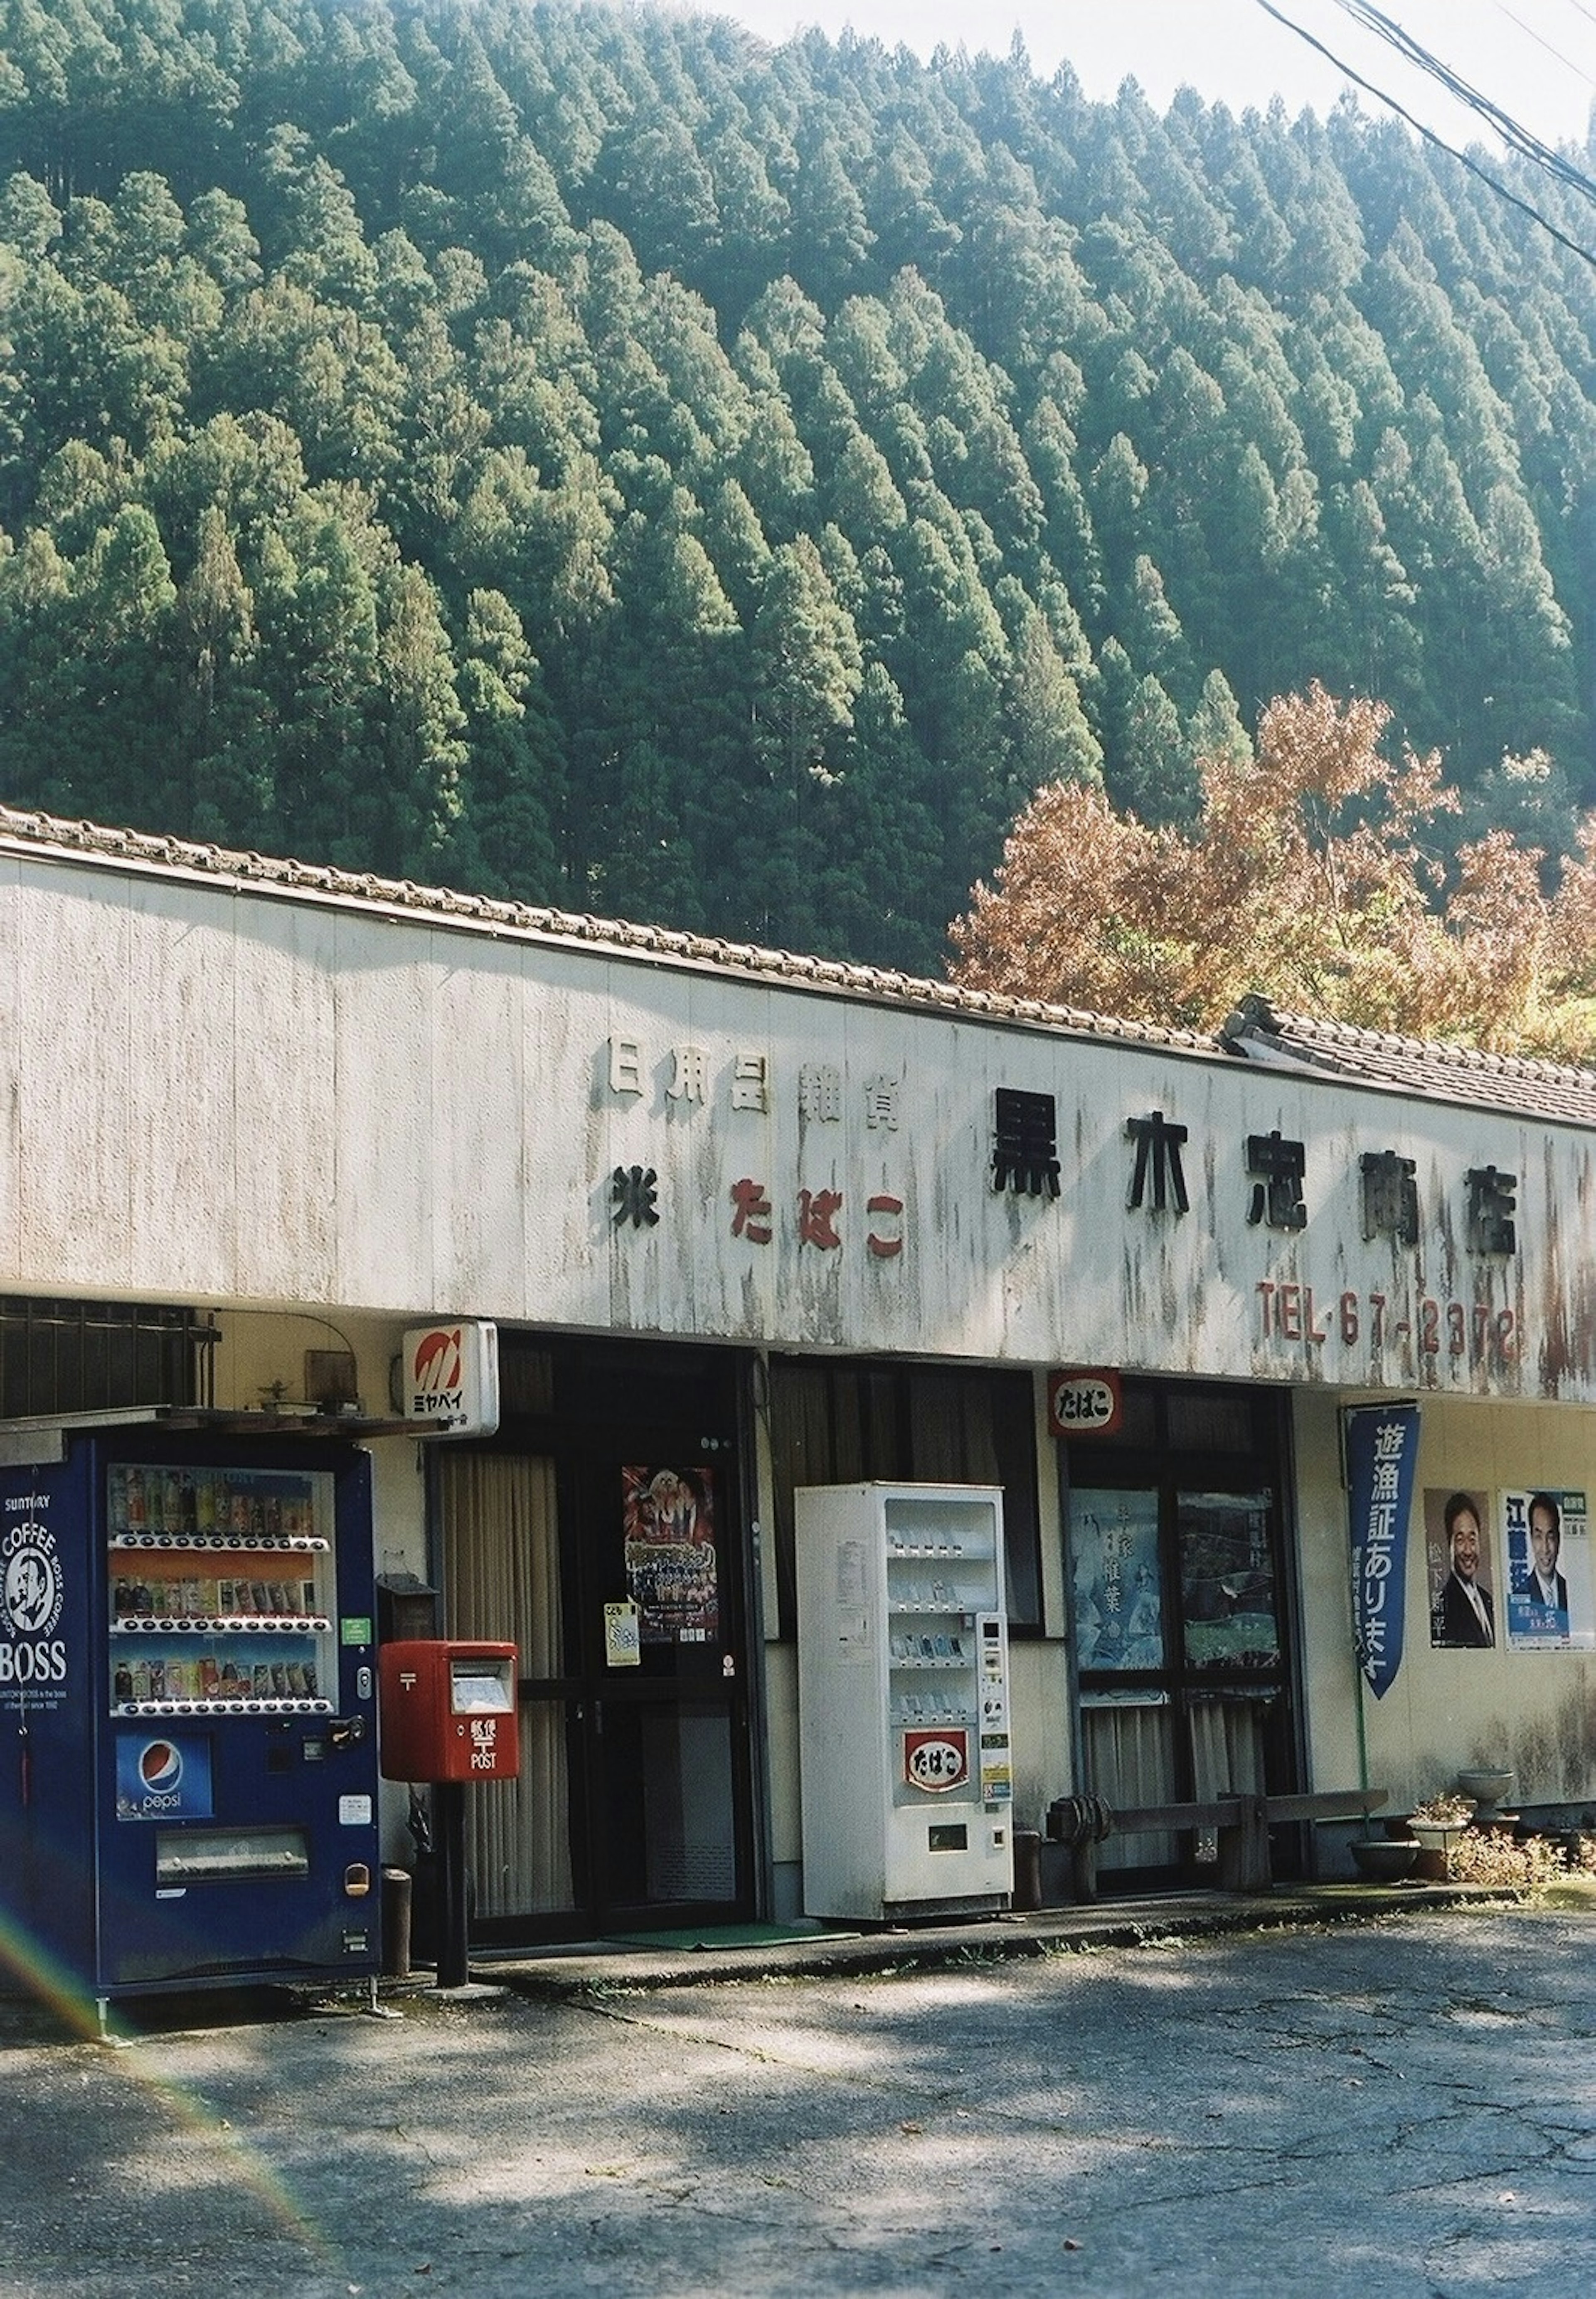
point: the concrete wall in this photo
(229, 1095)
(1534, 1711)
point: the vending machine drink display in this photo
(190, 1793)
(903, 1701)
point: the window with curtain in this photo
(1177, 1572)
(501, 1557)
(840, 1421)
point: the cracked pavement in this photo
(1406, 2105)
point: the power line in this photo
(1463, 158)
(1541, 41)
(1519, 138)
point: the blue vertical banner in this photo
(1382, 1442)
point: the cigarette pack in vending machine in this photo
(907, 1778)
(187, 1744)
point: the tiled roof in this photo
(1256, 1032)
(1260, 1032)
(141, 850)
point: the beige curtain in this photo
(1129, 1761)
(1228, 1756)
(502, 1580)
(1227, 1748)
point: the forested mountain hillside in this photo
(582, 454)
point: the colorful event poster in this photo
(1546, 1543)
(668, 1521)
(1119, 1604)
(1458, 1568)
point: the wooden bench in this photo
(1241, 1823)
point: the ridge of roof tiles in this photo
(325, 881)
(1525, 1082)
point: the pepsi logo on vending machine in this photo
(164, 1776)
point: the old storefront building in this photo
(747, 1224)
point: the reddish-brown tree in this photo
(1310, 877)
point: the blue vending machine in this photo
(189, 1773)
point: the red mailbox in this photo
(448, 1711)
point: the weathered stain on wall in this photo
(240, 1094)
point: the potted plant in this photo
(1383, 1859)
(1436, 1826)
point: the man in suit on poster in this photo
(1466, 1616)
(1543, 1584)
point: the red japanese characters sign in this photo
(936, 1760)
(1084, 1404)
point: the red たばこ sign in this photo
(936, 1760)
(1084, 1404)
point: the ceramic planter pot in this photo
(1384, 1859)
(1435, 1840)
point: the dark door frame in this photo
(1168, 1467)
(590, 1420)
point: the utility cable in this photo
(1541, 41)
(1517, 137)
(1430, 137)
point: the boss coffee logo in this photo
(32, 1592)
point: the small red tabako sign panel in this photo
(1089, 1403)
(937, 1761)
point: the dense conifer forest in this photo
(589, 456)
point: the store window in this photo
(1177, 1562)
(844, 1422)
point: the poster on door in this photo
(1119, 1606)
(667, 1521)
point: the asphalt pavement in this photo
(1403, 2104)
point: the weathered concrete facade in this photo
(236, 1093)
(291, 1097)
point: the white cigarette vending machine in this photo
(903, 1701)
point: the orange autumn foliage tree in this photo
(1307, 876)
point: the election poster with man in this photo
(1546, 1543)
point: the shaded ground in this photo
(1403, 2106)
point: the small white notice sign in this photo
(623, 1635)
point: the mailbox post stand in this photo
(448, 1818)
(447, 1712)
